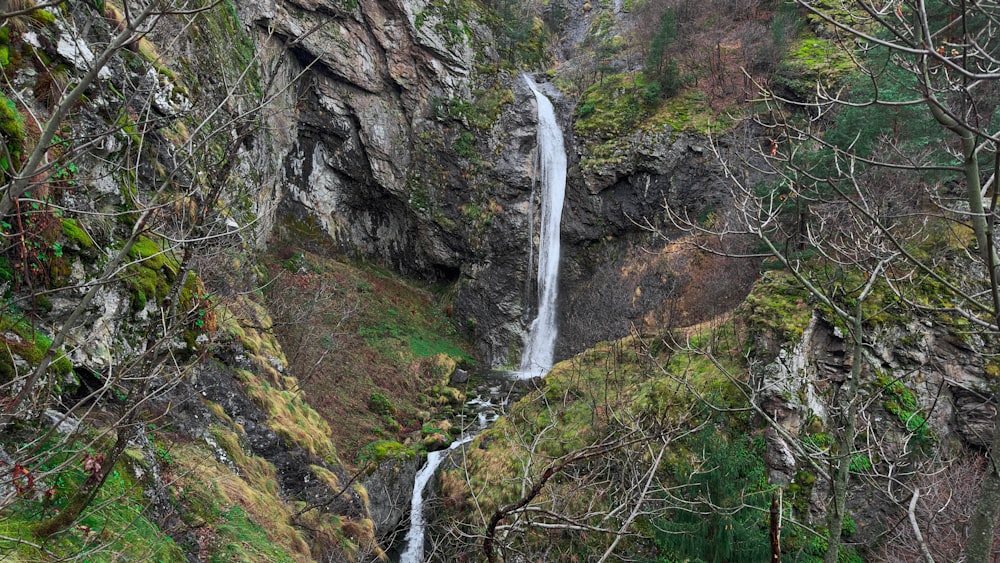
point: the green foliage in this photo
(903, 403)
(298, 263)
(114, 527)
(862, 129)
(811, 547)
(800, 492)
(661, 69)
(465, 146)
(483, 111)
(860, 463)
(520, 37)
(379, 404)
(729, 495)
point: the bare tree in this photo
(174, 160)
(860, 200)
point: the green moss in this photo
(151, 273)
(690, 111)
(20, 339)
(152, 255)
(43, 17)
(381, 450)
(813, 60)
(12, 129)
(614, 107)
(146, 283)
(777, 307)
(74, 233)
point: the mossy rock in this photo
(13, 131)
(813, 60)
(151, 273)
(152, 256)
(450, 396)
(381, 450)
(75, 234)
(778, 308)
(22, 341)
(435, 442)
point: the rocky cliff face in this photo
(925, 387)
(403, 152)
(364, 77)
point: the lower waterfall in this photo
(414, 552)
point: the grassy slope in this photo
(351, 331)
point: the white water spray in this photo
(414, 552)
(539, 347)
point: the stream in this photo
(414, 552)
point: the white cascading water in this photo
(539, 348)
(540, 345)
(414, 552)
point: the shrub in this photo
(380, 404)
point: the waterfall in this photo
(539, 347)
(414, 552)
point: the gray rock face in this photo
(390, 490)
(921, 372)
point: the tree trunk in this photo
(842, 465)
(984, 518)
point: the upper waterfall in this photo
(550, 167)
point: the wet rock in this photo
(459, 377)
(390, 489)
(975, 413)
